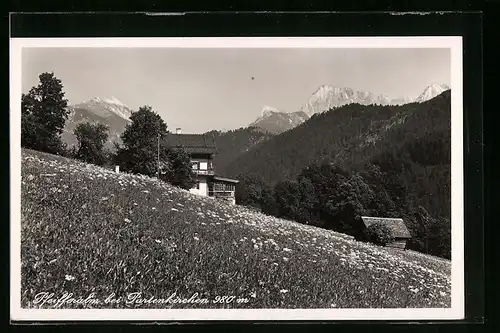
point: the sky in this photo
(222, 88)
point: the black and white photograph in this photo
(242, 178)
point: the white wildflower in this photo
(69, 277)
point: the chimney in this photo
(178, 130)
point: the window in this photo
(194, 165)
(222, 187)
(203, 165)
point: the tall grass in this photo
(87, 230)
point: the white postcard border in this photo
(454, 43)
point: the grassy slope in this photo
(125, 233)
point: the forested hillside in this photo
(232, 144)
(414, 136)
(351, 135)
(380, 160)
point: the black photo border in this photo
(294, 24)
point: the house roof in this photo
(193, 143)
(397, 226)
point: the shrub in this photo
(379, 234)
(91, 140)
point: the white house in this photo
(202, 148)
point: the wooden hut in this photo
(399, 231)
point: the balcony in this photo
(209, 172)
(221, 194)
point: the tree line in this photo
(328, 196)
(389, 161)
(44, 112)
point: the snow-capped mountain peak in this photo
(106, 107)
(324, 90)
(276, 121)
(327, 97)
(267, 110)
(108, 111)
(113, 100)
(432, 91)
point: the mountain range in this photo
(108, 111)
(432, 91)
(115, 114)
(275, 121)
(328, 97)
(412, 140)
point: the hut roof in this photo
(397, 226)
(193, 143)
